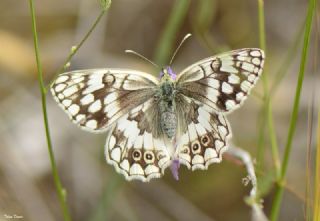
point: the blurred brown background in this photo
(94, 190)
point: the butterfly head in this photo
(167, 74)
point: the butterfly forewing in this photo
(223, 81)
(96, 98)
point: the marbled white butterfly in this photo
(153, 123)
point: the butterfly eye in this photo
(148, 157)
(136, 155)
(196, 147)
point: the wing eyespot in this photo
(149, 157)
(205, 140)
(196, 147)
(136, 155)
(185, 150)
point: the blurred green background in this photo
(94, 190)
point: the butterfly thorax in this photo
(166, 104)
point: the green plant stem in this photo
(176, 18)
(311, 121)
(308, 195)
(75, 49)
(316, 202)
(262, 32)
(262, 121)
(267, 101)
(294, 116)
(261, 141)
(291, 54)
(56, 178)
(316, 186)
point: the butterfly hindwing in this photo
(223, 81)
(133, 149)
(205, 138)
(96, 98)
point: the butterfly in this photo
(152, 122)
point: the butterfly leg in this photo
(245, 158)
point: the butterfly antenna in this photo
(141, 56)
(176, 51)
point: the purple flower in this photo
(175, 168)
(161, 75)
(170, 72)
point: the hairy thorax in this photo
(166, 103)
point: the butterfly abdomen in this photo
(169, 123)
(168, 118)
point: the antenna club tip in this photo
(141, 56)
(187, 36)
(176, 51)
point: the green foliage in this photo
(294, 116)
(205, 12)
(168, 36)
(105, 4)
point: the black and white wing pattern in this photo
(224, 81)
(203, 134)
(206, 91)
(133, 146)
(126, 104)
(94, 99)
(122, 102)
